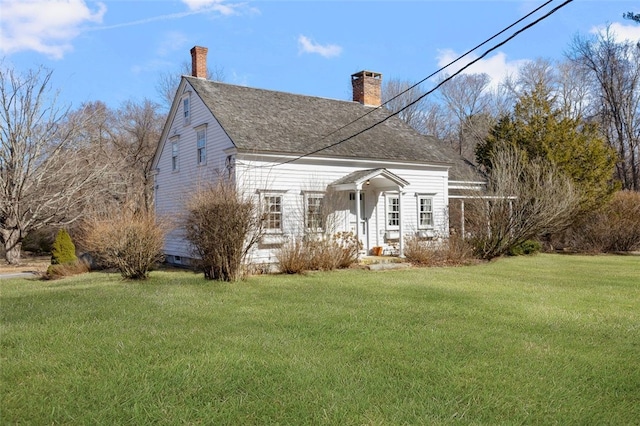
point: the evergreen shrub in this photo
(526, 248)
(63, 250)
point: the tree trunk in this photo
(12, 246)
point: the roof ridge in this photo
(200, 80)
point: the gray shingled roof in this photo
(356, 176)
(268, 121)
(361, 175)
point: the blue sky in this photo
(114, 51)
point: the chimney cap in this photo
(365, 73)
(367, 87)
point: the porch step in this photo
(388, 265)
(374, 260)
(381, 260)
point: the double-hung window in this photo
(393, 211)
(201, 136)
(273, 212)
(425, 211)
(186, 110)
(313, 212)
(174, 155)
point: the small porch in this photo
(381, 232)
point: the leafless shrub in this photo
(524, 200)
(222, 225)
(349, 246)
(338, 251)
(293, 257)
(613, 228)
(130, 242)
(422, 252)
(454, 251)
(324, 255)
(459, 251)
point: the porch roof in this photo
(378, 178)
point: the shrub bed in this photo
(454, 251)
(324, 254)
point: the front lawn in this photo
(548, 339)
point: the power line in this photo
(463, 55)
(440, 69)
(502, 43)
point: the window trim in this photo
(387, 211)
(230, 165)
(175, 154)
(198, 130)
(186, 109)
(263, 199)
(313, 195)
(419, 198)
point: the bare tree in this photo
(397, 95)
(46, 177)
(169, 81)
(125, 139)
(573, 96)
(466, 99)
(425, 116)
(139, 129)
(562, 83)
(436, 122)
(614, 74)
(534, 75)
(500, 101)
(97, 128)
(525, 199)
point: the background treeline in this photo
(573, 125)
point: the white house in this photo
(379, 178)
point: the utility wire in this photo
(439, 70)
(502, 43)
(426, 78)
(457, 59)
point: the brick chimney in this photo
(367, 87)
(199, 61)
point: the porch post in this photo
(357, 201)
(401, 236)
(462, 218)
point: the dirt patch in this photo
(28, 264)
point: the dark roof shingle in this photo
(268, 121)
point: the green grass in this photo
(548, 339)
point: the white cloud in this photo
(306, 45)
(196, 7)
(45, 26)
(621, 32)
(498, 67)
(214, 5)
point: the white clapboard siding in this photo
(173, 188)
(293, 179)
(255, 175)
